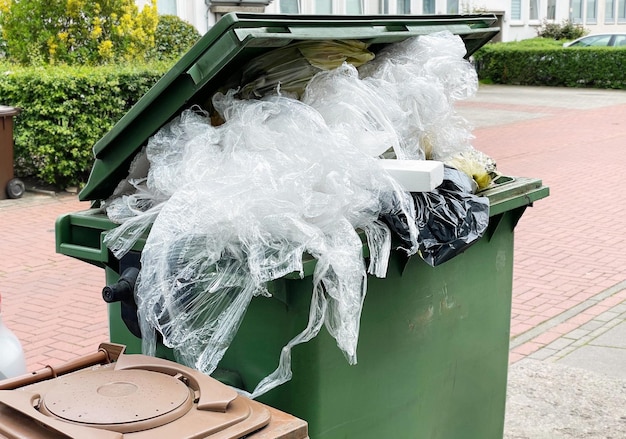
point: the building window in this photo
(354, 7)
(290, 6)
(516, 9)
(384, 6)
(533, 11)
(166, 7)
(324, 7)
(609, 11)
(592, 13)
(577, 11)
(403, 7)
(453, 7)
(551, 14)
(621, 11)
(428, 7)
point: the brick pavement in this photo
(52, 302)
(568, 250)
(589, 335)
(569, 247)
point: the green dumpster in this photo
(433, 343)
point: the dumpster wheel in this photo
(15, 188)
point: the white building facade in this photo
(518, 19)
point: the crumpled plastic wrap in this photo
(424, 76)
(450, 218)
(232, 207)
(170, 148)
(355, 110)
(248, 199)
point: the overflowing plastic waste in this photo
(294, 169)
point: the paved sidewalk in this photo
(567, 377)
(569, 258)
(52, 302)
(569, 287)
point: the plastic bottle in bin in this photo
(12, 361)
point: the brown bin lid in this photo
(6, 111)
(138, 397)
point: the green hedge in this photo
(65, 110)
(549, 63)
(173, 37)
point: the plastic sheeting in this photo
(233, 207)
(248, 199)
(424, 76)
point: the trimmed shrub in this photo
(548, 63)
(76, 31)
(65, 110)
(173, 37)
(567, 30)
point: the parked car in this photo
(12, 362)
(599, 40)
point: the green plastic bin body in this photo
(433, 343)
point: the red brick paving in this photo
(52, 302)
(569, 247)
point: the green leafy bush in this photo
(541, 63)
(76, 31)
(173, 37)
(65, 110)
(567, 30)
(532, 43)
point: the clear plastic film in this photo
(156, 174)
(270, 184)
(437, 56)
(233, 207)
(135, 213)
(355, 110)
(171, 150)
(424, 76)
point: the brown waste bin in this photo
(9, 186)
(110, 395)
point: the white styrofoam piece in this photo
(415, 175)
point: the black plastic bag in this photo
(449, 219)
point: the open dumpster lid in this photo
(219, 56)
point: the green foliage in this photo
(173, 38)
(76, 31)
(567, 30)
(531, 43)
(541, 63)
(65, 110)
